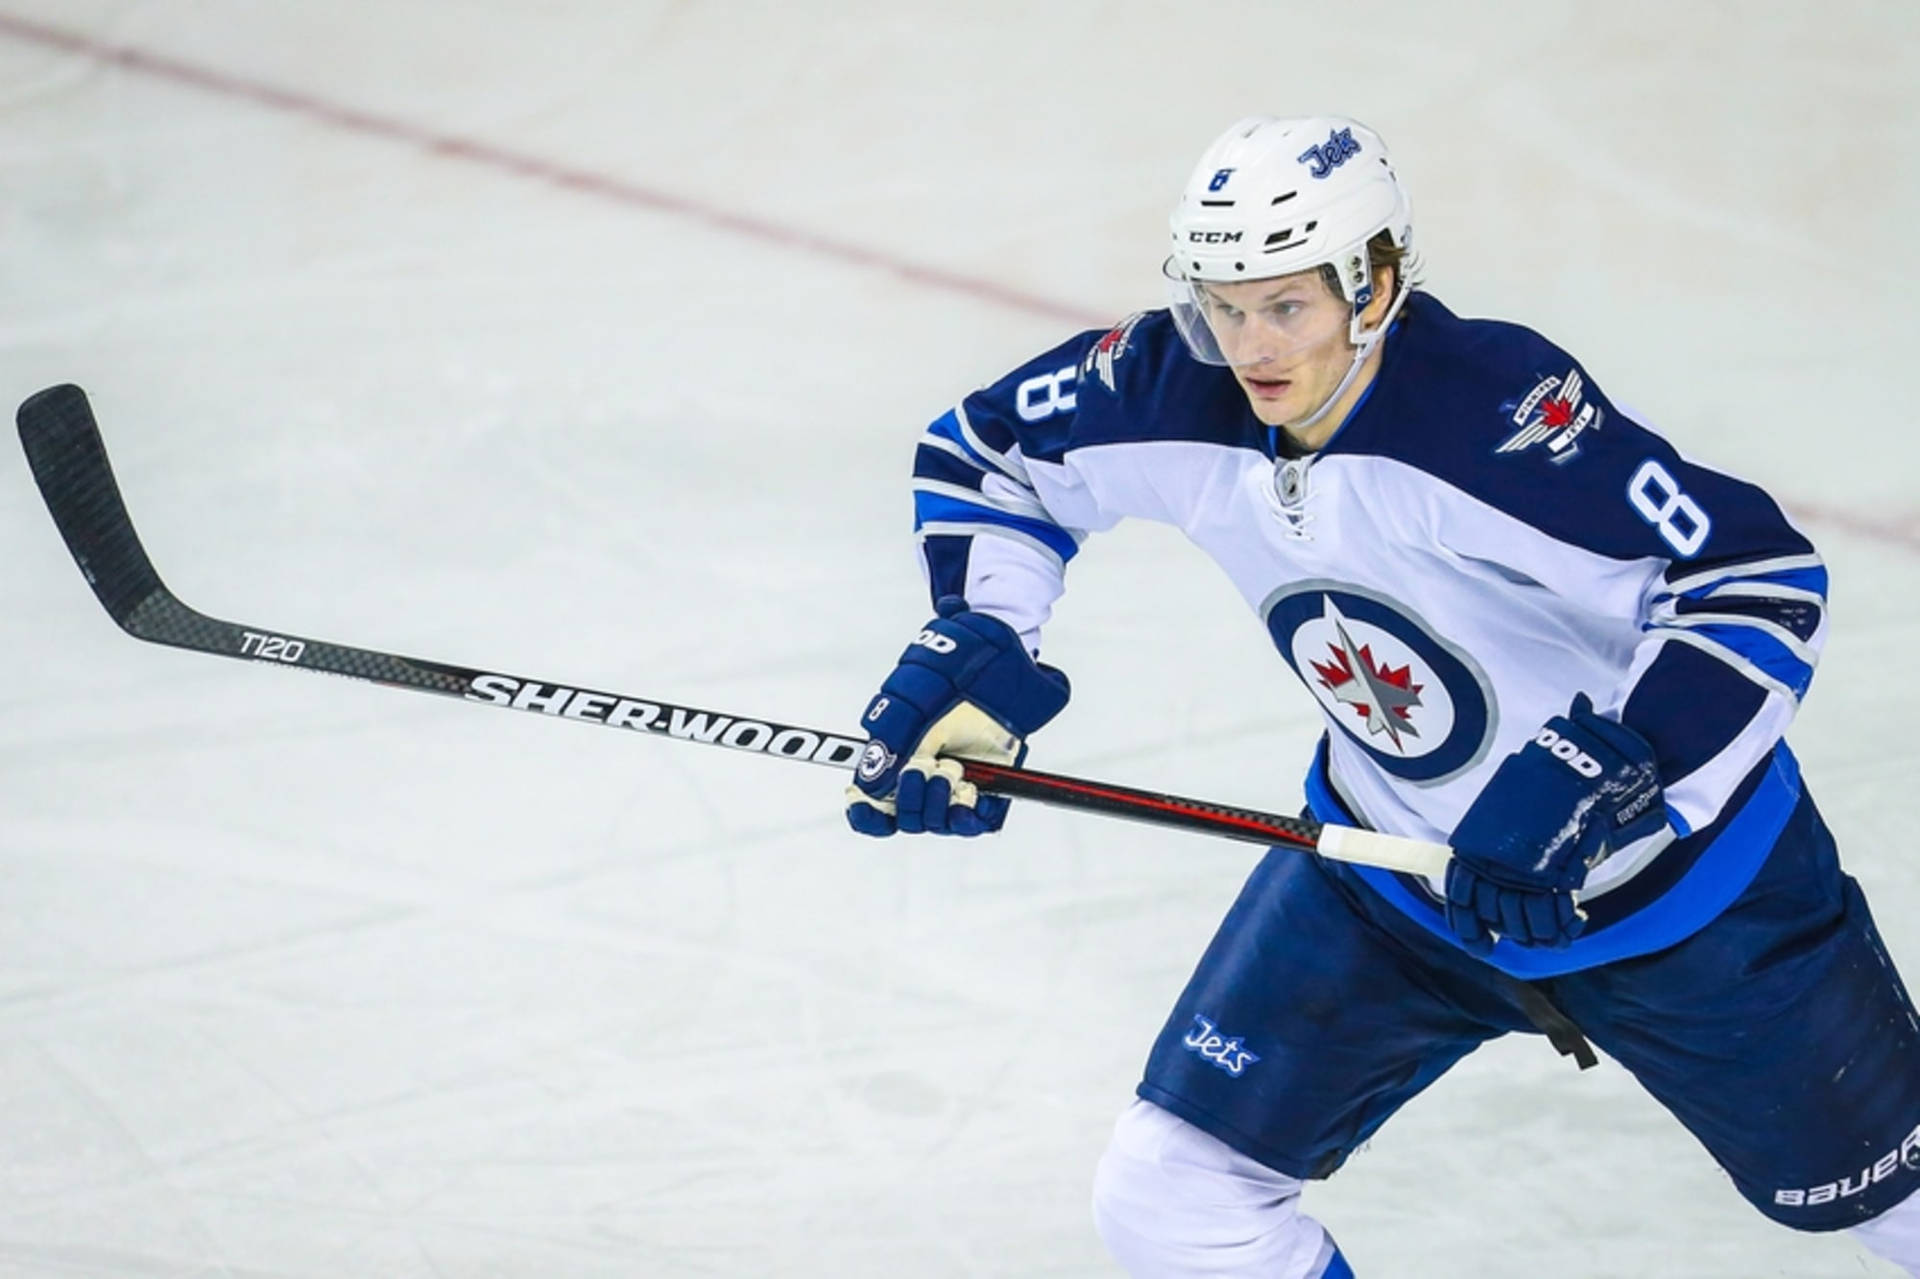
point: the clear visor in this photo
(1245, 323)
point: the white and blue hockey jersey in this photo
(1484, 536)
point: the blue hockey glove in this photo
(964, 689)
(1583, 785)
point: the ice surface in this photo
(590, 340)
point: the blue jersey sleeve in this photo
(984, 531)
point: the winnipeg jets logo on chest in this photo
(1421, 708)
(1553, 413)
(1383, 696)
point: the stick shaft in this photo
(70, 464)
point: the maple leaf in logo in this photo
(1382, 695)
(1557, 413)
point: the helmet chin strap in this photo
(1363, 344)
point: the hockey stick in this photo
(69, 463)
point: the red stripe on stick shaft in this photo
(1219, 819)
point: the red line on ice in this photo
(521, 164)
(1899, 530)
(1890, 530)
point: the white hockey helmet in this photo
(1276, 196)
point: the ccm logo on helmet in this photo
(1567, 753)
(1213, 237)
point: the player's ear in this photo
(1376, 310)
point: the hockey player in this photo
(1537, 634)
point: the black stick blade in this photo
(69, 463)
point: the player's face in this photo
(1285, 339)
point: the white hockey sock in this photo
(1172, 1202)
(1895, 1234)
